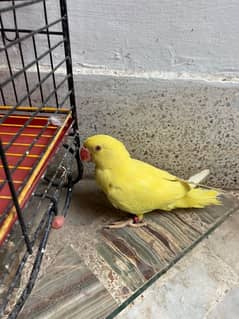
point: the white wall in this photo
(136, 36)
(156, 35)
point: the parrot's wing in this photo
(150, 170)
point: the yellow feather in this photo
(137, 187)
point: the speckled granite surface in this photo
(91, 272)
(180, 126)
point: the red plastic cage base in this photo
(28, 156)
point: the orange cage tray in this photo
(43, 138)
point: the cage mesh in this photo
(39, 139)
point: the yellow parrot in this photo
(137, 187)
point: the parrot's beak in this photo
(85, 154)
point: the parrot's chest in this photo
(111, 185)
(104, 179)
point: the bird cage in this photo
(39, 139)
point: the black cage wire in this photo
(39, 139)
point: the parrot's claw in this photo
(129, 222)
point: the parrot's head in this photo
(104, 150)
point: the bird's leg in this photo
(136, 221)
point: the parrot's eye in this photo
(98, 148)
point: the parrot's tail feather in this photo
(198, 178)
(198, 198)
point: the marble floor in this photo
(92, 272)
(203, 285)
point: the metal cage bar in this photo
(15, 199)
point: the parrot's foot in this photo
(132, 222)
(139, 224)
(121, 224)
